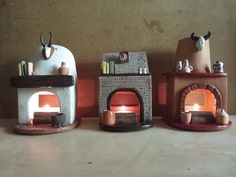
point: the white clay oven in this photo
(28, 97)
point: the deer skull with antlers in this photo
(200, 40)
(48, 49)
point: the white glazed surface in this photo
(67, 95)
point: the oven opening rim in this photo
(133, 90)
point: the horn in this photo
(195, 38)
(207, 36)
(50, 41)
(41, 39)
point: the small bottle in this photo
(63, 70)
(145, 70)
(140, 71)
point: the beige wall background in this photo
(90, 27)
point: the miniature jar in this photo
(186, 67)
(140, 70)
(218, 67)
(63, 70)
(178, 66)
(222, 117)
(145, 70)
(108, 118)
(186, 117)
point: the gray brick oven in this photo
(133, 76)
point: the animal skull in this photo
(48, 49)
(200, 40)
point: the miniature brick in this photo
(194, 86)
(201, 85)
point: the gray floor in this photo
(89, 152)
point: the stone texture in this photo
(141, 84)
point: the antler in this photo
(41, 39)
(47, 49)
(195, 38)
(207, 36)
(50, 41)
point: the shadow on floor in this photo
(90, 124)
(159, 123)
(93, 124)
(8, 125)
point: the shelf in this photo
(180, 74)
(37, 81)
(128, 74)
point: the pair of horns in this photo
(50, 39)
(196, 38)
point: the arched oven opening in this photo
(127, 104)
(202, 104)
(202, 101)
(42, 105)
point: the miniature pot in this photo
(186, 67)
(58, 120)
(108, 117)
(186, 117)
(222, 117)
(178, 66)
(63, 70)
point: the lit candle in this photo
(196, 107)
(124, 109)
(46, 108)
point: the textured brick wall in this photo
(142, 84)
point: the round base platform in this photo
(42, 129)
(197, 127)
(126, 128)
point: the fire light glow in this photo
(123, 108)
(196, 107)
(46, 108)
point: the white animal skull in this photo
(200, 41)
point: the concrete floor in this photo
(90, 152)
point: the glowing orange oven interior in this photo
(200, 100)
(48, 100)
(125, 102)
(42, 105)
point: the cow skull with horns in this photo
(200, 40)
(48, 49)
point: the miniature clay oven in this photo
(196, 96)
(125, 93)
(47, 98)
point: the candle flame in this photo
(196, 107)
(123, 108)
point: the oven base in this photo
(195, 126)
(42, 129)
(126, 128)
